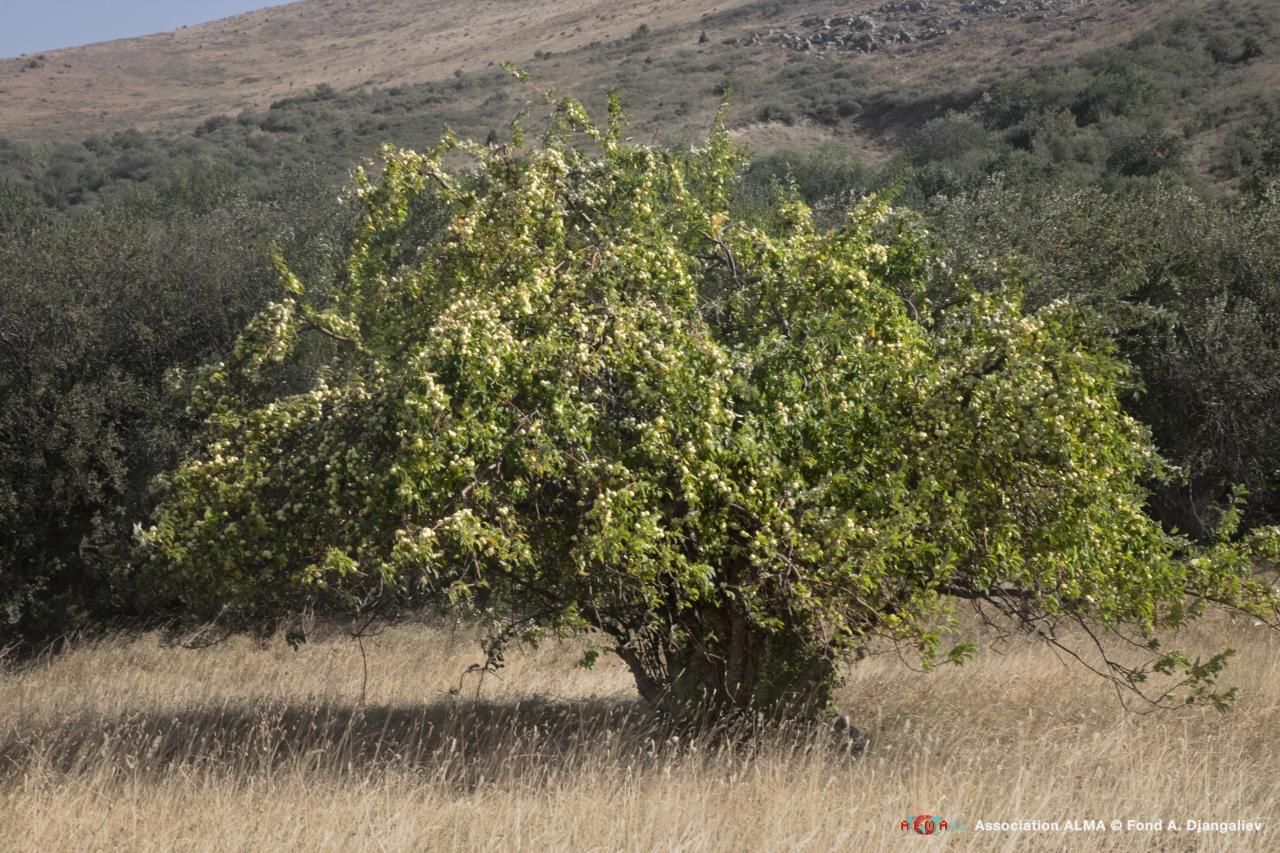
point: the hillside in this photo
(172, 80)
(913, 59)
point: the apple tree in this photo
(597, 401)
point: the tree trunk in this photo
(730, 666)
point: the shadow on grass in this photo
(459, 743)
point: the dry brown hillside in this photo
(175, 78)
(172, 80)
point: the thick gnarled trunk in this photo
(730, 666)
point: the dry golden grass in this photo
(129, 745)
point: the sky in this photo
(32, 26)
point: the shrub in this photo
(1135, 92)
(599, 402)
(213, 123)
(1189, 292)
(94, 309)
(773, 112)
(1146, 153)
(1253, 48)
(954, 137)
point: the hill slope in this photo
(864, 76)
(173, 80)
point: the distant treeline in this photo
(125, 259)
(322, 127)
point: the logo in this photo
(924, 824)
(927, 824)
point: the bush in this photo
(1011, 100)
(95, 308)
(829, 180)
(773, 112)
(213, 123)
(600, 402)
(1147, 153)
(90, 323)
(730, 83)
(1190, 293)
(1133, 93)
(954, 137)
(286, 121)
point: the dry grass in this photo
(129, 745)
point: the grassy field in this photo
(127, 744)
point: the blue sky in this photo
(32, 26)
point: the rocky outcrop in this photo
(850, 32)
(900, 22)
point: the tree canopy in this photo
(597, 401)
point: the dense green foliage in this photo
(1077, 170)
(1191, 294)
(94, 309)
(596, 401)
(1253, 151)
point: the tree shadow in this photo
(463, 744)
